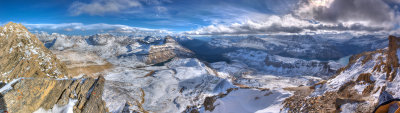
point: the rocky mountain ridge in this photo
(356, 87)
(266, 63)
(167, 51)
(149, 75)
(303, 46)
(137, 50)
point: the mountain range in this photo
(108, 73)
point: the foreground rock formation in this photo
(28, 95)
(30, 76)
(356, 87)
(23, 55)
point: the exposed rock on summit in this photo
(31, 71)
(23, 55)
(169, 50)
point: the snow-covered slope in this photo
(153, 74)
(278, 65)
(138, 51)
(289, 55)
(167, 89)
(250, 101)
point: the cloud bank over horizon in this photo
(319, 16)
(80, 28)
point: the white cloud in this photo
(285, 24)
(102, 7)
(112, 28)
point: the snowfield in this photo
(182, 83)
(250, 101)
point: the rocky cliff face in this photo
(167, 51)
(31, 73)
(23, 55)
(356, 87)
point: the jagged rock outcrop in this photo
(167, 51)
(23, 55)
(37, 94)
(356, 87)
(32, 73)
(392, 62)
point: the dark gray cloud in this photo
(341, 27)
(373, 11)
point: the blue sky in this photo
(210, 17)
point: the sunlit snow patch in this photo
(8, 86)
(250, 101)
(69, 108)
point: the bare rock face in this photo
(32, 94)
(32, 73)
(23, 55)
(167, 51)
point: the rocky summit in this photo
(23, 55)
(34, 80)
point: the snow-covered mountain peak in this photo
(14, 27)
